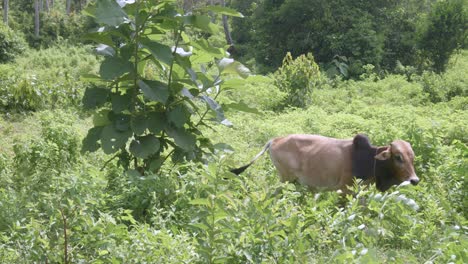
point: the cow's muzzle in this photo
(414, 181)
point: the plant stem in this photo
(109, 160)
(178, 33)
(65, 237)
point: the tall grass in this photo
(53, 198)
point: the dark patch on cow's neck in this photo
(366, 166)
(363, 157)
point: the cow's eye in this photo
(398, 158)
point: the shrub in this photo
(12, 44)
(445, 31)
(45, 79)
(298, 78)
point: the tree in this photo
(227, 32)
(36, 18)
(156, 86)
(359, 32)
(445, 32)
(68, 6)
(5, 11)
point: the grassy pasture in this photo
(191, 213)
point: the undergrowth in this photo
(56, 202)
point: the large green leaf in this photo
(139, 124)
(156, 122)
(95, 97)
(243, 107)
(227, 65)
(223, 10)
(105, 50)
(143, 147)
(204, 46)
(201, 22)
(114, 67)
(120, 102)
(178, 116)
(154, 90)
(112, 140)
(160, 51)
(182, 138)
(99, 37)
(107, 12)
(90, 142)
(217, 109)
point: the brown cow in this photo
(324, 163)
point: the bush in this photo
(45, 79)
(298, 78)
(12, 44)
(446, 30)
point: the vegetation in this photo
(59, 204)
(421, 34)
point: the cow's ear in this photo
(384, 155)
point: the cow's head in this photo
(395, 165)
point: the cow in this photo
(324, 163)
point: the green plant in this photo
(12, 44)
(158, 86)
(446, 31)
(298, 78)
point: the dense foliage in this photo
(12, 44)
(151, 92)
(298, 78)
(61, 205)
(45, 79)
(380, 33)
(54, 23)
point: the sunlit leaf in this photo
(223, 10)
(105, 50)
(200, 201)
(207, 48)
(227, 65)
(107, 12)
(201, 22)
(243, 107)
(217, 109)
(159, 51)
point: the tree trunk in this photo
(47, 6)
(5, 12)
(227, 32)
(68, 6)
(80, 6)
(188, 4)
(36, 18)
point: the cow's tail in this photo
(239, 170)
